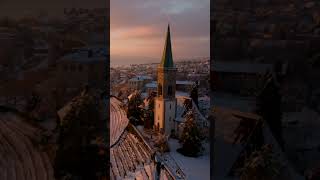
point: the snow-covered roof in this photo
(141, 78)
(181, 93)
(21, 158)
(151, 85)
(181, 109)
(118, 120)
(130, 157)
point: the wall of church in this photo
(159, 112)
(165, 111)
(170, 115)
(167, 77)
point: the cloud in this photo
(137, 32)
(180, 6)
(143, 23)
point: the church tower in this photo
(165, 102)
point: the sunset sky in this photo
(138, 28)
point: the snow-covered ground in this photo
(301, 134)
(225, 152)
(194, 168)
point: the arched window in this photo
(159, 89)
(170, 90)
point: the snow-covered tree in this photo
(269, 107)
(149, 111)
(262, 164)
(162, 143)
(191, 137)
(80, 125)
(134, 107)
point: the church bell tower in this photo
(165, 102)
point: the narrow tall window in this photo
(170, 90)
(159, 89)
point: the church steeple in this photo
(165, 102)
(167, 60)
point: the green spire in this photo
(167, 60)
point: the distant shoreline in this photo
(151, 62)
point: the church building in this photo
(165, 102)
(170, 108)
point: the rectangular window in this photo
(170, 91)
(159, 89)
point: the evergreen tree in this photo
(187, 105)
(134, 107)
(162, 143)
(262, 165)
(149, 112)
(75, 154)
(191, 138)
